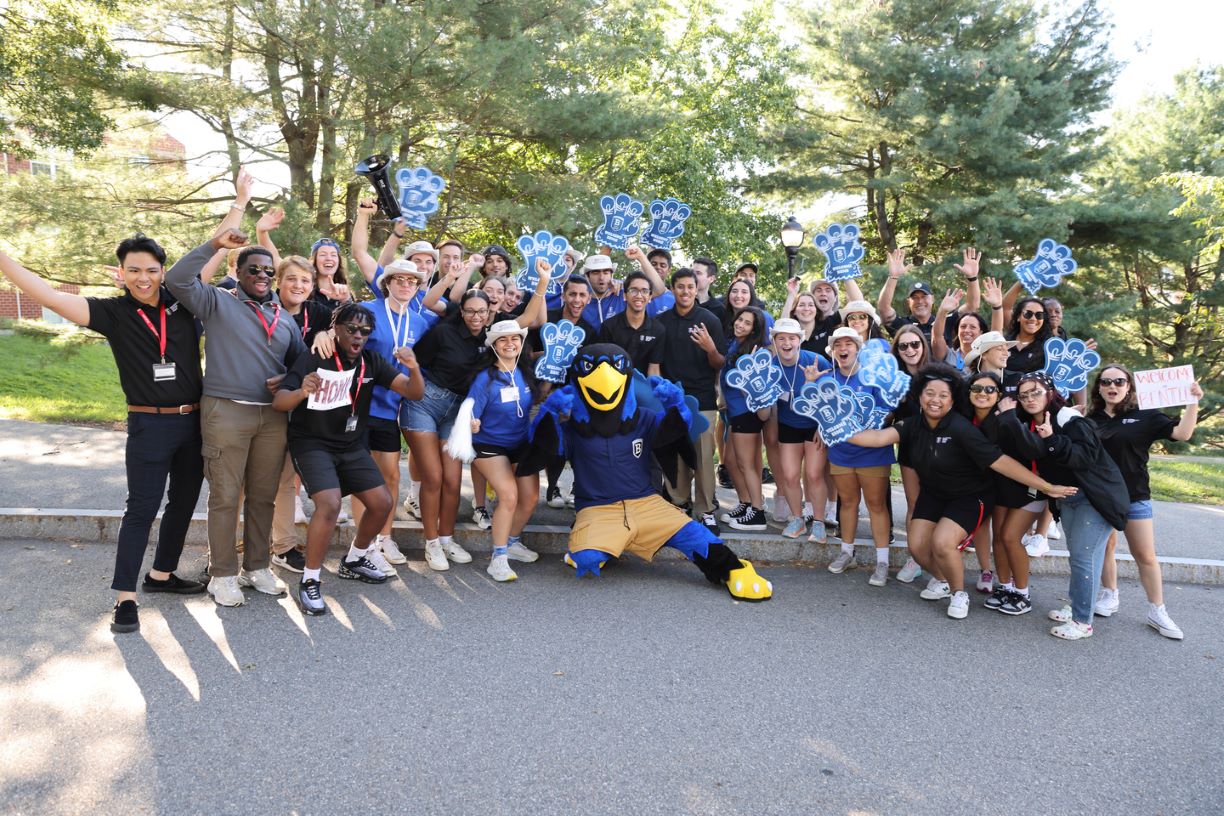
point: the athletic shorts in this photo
(514, 454)
(967, 511)
(638, 526)
(873, 472)
(748, 423)
(352, 470)
(795, 436)
(1139, 510)
(382, 435)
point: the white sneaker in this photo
(413, 505)
(958, 607)
(456, 553)
(830, 514)
(1106, 602)
(936, 590)
(1158, 618)
(225, 591)
(482, 518)
(841, 562)
(380, 562)
(880, 576)
(435, 556)
(499, 569)
(781, 509)
(401, 513)
(909, 572)
(1055, 532)
(520, 553)
(299, 512)
(390, 551)
(343, 517)
(1036, 545)
(263, 580)
(1062, 615)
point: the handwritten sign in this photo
(334, 392)
(1162, 387)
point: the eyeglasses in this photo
(984, 389)
(910, 346)
(635, 292)
(475, 312)
(1031, 395)
(1118, 381)
(266, 271)
(353, 328)
(1029, 315)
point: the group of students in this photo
(306, 385)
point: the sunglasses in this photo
(1029, 315)
(857, 316)
(1118, 381)
(353, 328)
(984, 389)
(1031, 395)
(266, 271)
(913, 345)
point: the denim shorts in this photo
(1139, 510)
(433, 413)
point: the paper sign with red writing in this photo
(334, 392)
(1162, 387)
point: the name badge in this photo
(350, 424)
(784, 396)
(510, 393)
(163, 372)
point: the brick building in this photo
(14, 305)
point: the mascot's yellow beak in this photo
(603, 388)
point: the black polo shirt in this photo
(644, 344)
(952, 459)
(325, 429)
(1028, 359)
(818, 342)
(1128, 439)
(137, 349)
(684, 361)
(312, 318)
(451, 356)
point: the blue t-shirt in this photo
(612, 469)
(391, 331)
(660, 304)
(792, 383)
(845, 454)
(503, 402)
(597, 311)
(417, 304)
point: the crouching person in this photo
(328, 398)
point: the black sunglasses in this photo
(1119, 381)
(915, 344)
(983, 389)
(353, 328)
(1027, 315)
(265, 271)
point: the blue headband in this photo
(322, 242)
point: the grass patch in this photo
(53, 380)
(1187, 480)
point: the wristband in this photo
(1000, 308)
(236, 207)
(399, 235)
(971, 280)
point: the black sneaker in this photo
(553, 497)
(362, 570)
(724, 477)
(735, 512)
(125, 618)
(1016, 604)
(710, 523)
(310, 598)
(753, 519)
(996, 599)
(175, 584)
(293, 561)
(767, 476)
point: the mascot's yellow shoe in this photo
(746, 585)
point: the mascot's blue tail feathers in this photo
(588, 561)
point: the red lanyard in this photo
(353, 395)
(271, 330)
(161, 338)
(305, 321)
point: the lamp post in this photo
(792, 238)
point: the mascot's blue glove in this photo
(669, 396)
(560, 402)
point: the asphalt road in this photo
(647, 691)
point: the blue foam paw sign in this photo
(759, 379)
(622, 221)
(419, 188)
(842, 250)
(551, 248)
(1048, 267)
(667, 217)
(561, 343)
(833, 406)
(1069, 362)
(879, 369)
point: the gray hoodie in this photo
(239, 357)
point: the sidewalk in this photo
(56, 468)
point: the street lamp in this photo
(792, 238)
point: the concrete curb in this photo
(102, 527)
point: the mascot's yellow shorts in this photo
(637, 526)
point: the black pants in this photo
(159, 446)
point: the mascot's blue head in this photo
(603, 375)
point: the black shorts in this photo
(967, 511)
(489, 451)
(382, 435)
(748, 423)
(352, 470)
(795, 436)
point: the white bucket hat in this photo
(839, 333)
(984, 343)
(504, 328)
(400, 267)
(787, 325)
(863, 306)
(421, 248)
(597, 262)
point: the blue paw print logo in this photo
(878, 369)
(419, 188)
(667, 217)
(833, 406)
(842, 250)
(1069, 362)
(870, 413)
(541, 245)
(622, 221)
(1052, 263)
(759, 379)
(561, 343)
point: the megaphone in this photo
(377, 169)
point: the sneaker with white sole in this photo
(1060, 615)
(518, 552)
(985, 582)
(293, 560)
(1106, 603)
(310, 598)
(435, 556)
(380, 562)
(263, 580)
(910, 572)
(1072, 630)
(342, 517)
(752, 519)
(1036, 545)
(1158, 618)
(401, 513)
(781, 510)
(500, 570)
(456, 553)
(735, 512)
(958, 607)
(390, 551)
(553, 498)
(936, 590)
(879, 576)
(226, 592)
(482, 518)
(413, 505)
(1055, 532)
(1016, 604)
(795, 528)
(362, 569)
(841, 563)
(996, 599)
(299, 512)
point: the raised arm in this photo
(657, 287)
(1011, 296)
(263, 232)
(69, 307)
(391, 246)
(973, 292)
(361, 241)
(474, 262)
(1189, 417)
(853, 290)
(792, 292)
(896, 268)
(233, 216)
(947, 306)
(536, 312)
(994, 296)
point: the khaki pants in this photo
(284, 531)
(703, 478)
(243, 444)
